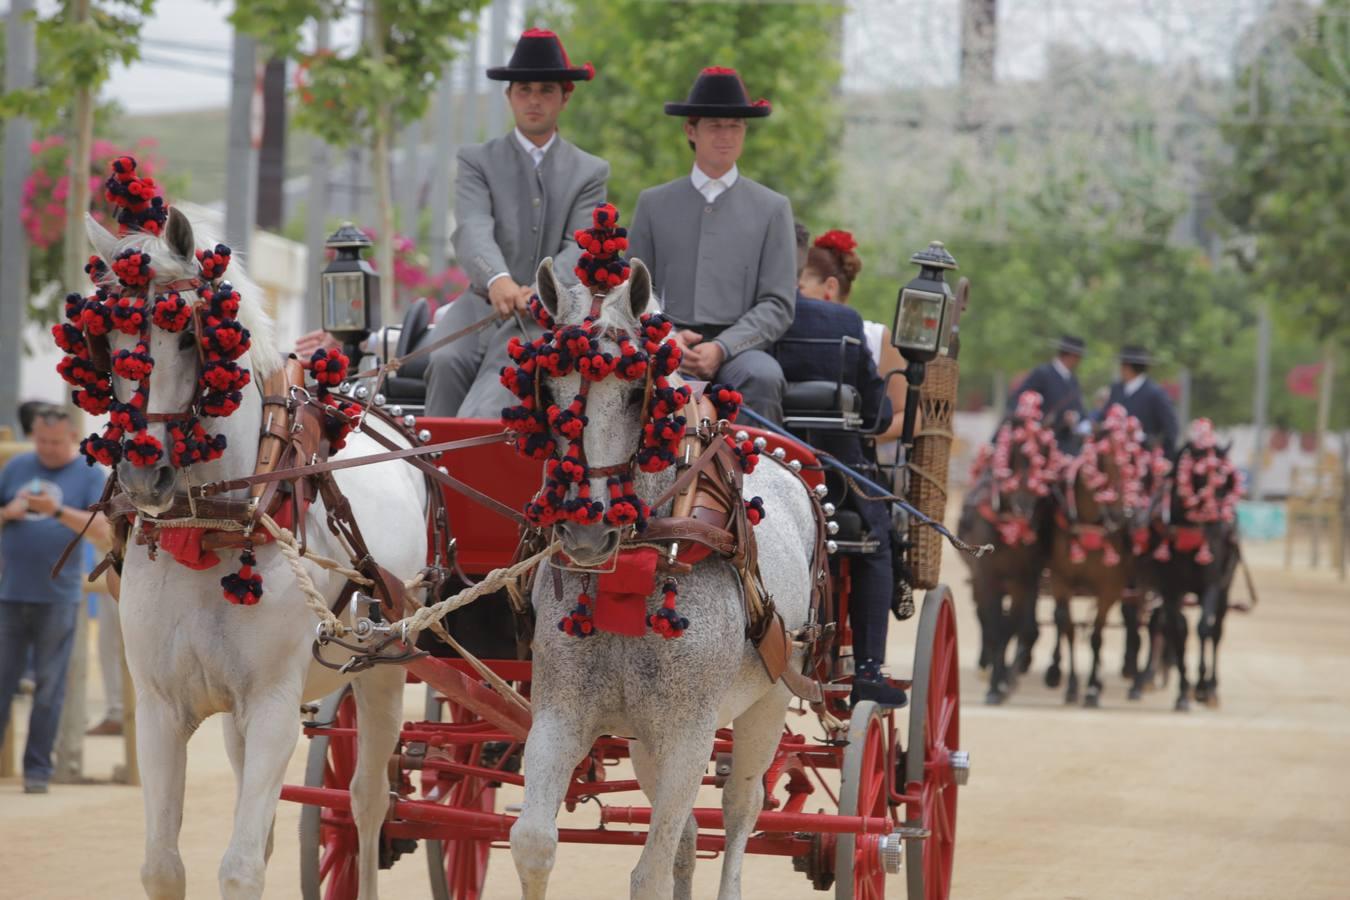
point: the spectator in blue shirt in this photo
(44, 500)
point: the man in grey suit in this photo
(518, 199)
(722, 248)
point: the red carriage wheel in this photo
(328, 843)
(458, 869)
(932, 759)
(859, 871)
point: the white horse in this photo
(192, 654)
(670, 696)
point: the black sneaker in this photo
(879, 691)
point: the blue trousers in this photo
(48, 630)
(869, 601)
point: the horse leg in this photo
(161, 743)
(757, 731)
(1129, 612)
(686, 856)
(379, 714)
(1145, 676)
(1221, 611)
(1027, 632)
(997, 634)
(1093, 697)
(1177, 629)
(269, 728)
(234, 749)
(552, 752)
(684, 759)
(1064, 625)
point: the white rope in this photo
(313, 599)
(492, 582)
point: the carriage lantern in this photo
(923, 322)
(350, 288)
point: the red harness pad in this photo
(1188, 540)
(621, 595)
(185, 546)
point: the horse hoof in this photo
(1071, 696)
(1092, 701)
(986, 659)
(1135, 693)
(1129, 670)
(1183, 705)
(994, 698)
(1053, 677)
(1201, 693)
(1024, 664)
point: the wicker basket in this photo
(928, 468)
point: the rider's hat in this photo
(719, 93)
(540, 56)
(1070, 344)
(1134, 355)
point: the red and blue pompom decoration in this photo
(602, 266)
(244, 588)
(754, 510)
(128, 313)
(171, 311)
(580, 622)
(214, 262)
(142, 449)
(328, 367)
(667, 621)
(132, 268)
(139, 201)
(726, 400)
(135, 364)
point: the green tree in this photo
(646, 54)
(77, 46)
(1288, 185)
(364, 95)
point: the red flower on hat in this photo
(841, 241)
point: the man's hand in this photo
(504, 295)
(527, 293)
(315, 340)
(704, 359)
(15, 509)
(43, 504)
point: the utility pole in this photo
(316, 208)
(442, 158)
(408, 184)
(271, 212)
(241, 168)
(1260, 398)
(19, 71)
(468, 110)
(496, 112)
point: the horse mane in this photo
(264, 355)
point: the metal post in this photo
(1260, 398)
(1184, 401)
(496, 110)
(19, 70)
(441, 161)
(271, 205)
(468, 129)
(316, 208)
(241, 168)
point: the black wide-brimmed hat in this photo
(1070, 344)
(540, 56)
(1134, 355)
(719, 93)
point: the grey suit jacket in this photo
(731, 262)
(510, 215)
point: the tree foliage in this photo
(647, 54)
(75, 56)
(1288, 185)
(342, 95)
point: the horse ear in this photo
(547, 286)
(103, 240)
(178, 235)
(639, 288)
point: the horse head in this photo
(1018, 472)
(180, 345)
(598, 405)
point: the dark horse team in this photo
(1105, 505)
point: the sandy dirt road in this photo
(1249, 800)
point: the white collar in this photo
(1062, 369)
(702, 179)
(1132, 386)
(534, 151)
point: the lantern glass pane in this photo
(344, 301)
(918, 324)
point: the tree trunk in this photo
(382, 128)
(77, 201)
(1324, 393)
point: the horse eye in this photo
(187, 340)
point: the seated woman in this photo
(873, 574)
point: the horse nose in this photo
(147, 485)
(588, 544)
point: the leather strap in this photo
(332, 465)
(670, 529)
(435, 345)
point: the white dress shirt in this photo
(1132, 386)
(712, 188)
(1062, 369)
(534, 151)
